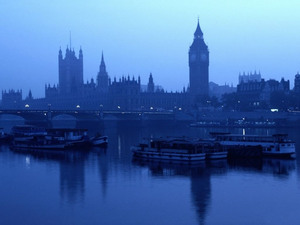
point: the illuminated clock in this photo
(193, 57)
(203, 57)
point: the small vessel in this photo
(276, 145)
(37, 142)
(99, 140)
(27, 131)
(177, 149)
(216, 153)
(31, 137)
(72, 137)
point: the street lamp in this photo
(26, 106)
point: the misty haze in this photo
(149, 112)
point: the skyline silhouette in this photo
(149, 37)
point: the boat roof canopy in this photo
(66, 129)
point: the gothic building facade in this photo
(297, 83)
(12, 99)
(125, 93)
(257, 92)
(70, 72)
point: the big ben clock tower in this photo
(198, 63)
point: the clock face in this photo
(193, 57)
(203, 57)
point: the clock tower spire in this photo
(198, 65)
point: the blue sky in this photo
(139, 37)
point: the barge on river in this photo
(178, 149)
(276, 145)
(31, 137)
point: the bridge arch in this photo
(11, 116)
(64, 116)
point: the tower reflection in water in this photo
(72, 176)
(73, 167)
(200, 175)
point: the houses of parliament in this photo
(126, 93)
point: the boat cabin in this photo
(68, 134)
(179, 144)
(28, 130)
(276, 138)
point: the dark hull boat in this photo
(178, 150)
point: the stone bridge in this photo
(49, 115)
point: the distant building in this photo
(219, 90)
(150, 86)
(103, 80)
(255, 77)
(297, 83)
(70, 72)
(12, 99)
(257, 92)
(124, 94)
(198, 65)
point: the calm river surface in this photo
(109, 187)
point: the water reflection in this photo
(72, 176)
(71, 171)
(81, 177)
(201, 175)
(277, 167)
(103, 168)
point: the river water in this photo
(106, 186)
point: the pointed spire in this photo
(70, 40)
(102, 67)
(198, 33)
(60, 54)
(102, 60)
(80, 53)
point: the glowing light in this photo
(27, 161)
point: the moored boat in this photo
(72, 137)
(177, 149)
(99, 140)
(277, 145)
(27, 131)
(31, 137)
(221, 154)
(37, 142)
